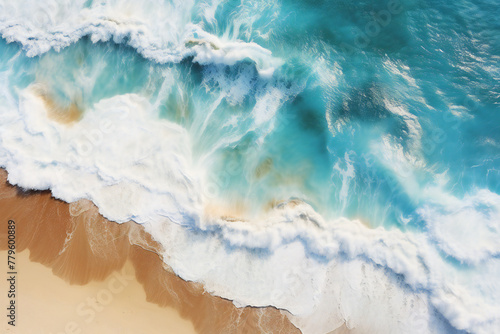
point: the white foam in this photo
(327, 273)
(467, 230)
(159, 31)
(133, 165)
(151, 175)
(289, 257)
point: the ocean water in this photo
(336, 159)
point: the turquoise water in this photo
(385, 112)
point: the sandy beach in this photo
(80, 273)
(48, 304)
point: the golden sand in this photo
(87, 255)
(46, 304)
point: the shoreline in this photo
(83, 250)
(46, 304)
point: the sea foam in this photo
(159, 31)
(137, 166)
(290, 257)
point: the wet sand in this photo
(75, 254)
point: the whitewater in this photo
(336, 160)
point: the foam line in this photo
(58, 25)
